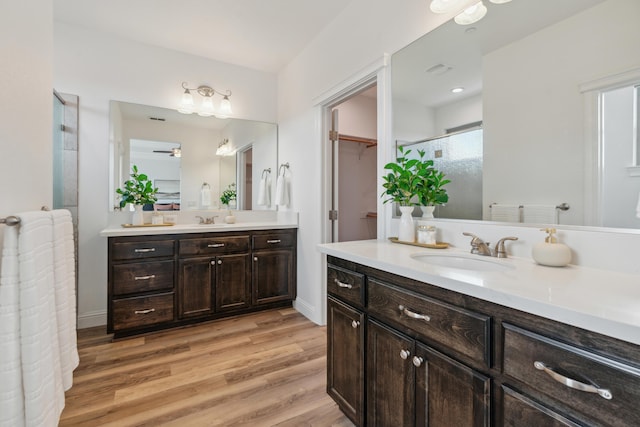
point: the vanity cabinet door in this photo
(390, 377)
(272, 275)
(449, 393)
(345, 358)
(196, 279)
(232, 282)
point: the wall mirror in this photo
(181, 153)
(534, 73)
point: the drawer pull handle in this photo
(404, 354)
(147, 311)
(216, 245)
(412, 314)
(342, 284)
(355, 324)
(274, 241)
(149, 277)
(417, 361)
(144, 250)
(571, 383)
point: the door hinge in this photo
(333, 135)
(333, 215)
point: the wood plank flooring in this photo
(263, 369)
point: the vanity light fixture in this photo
(224, 148)
(207, 109)
(472, 14)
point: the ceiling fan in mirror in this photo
(174, 152)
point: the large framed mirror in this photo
(184, 154)
(535, 74)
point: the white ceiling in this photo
(260, 34)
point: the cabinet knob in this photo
(213, 262)
(404, 354)
(219, 261)
(255, 258)
(355, 324)
(417, 361)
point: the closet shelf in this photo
(370, 142)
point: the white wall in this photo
(549, 127)
(99, 68)
(26, 111)
(361, 35)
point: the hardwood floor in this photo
(263, 369)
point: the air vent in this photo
(159, 119)
(439, 69)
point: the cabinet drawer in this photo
(142, 311)
(273, 240)
(547, 365)
(142, 277)
(346, 285)
(214, 245)
(146, 249)
(459, 329)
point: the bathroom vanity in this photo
(180, 275)
(414, 343)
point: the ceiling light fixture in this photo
(499, 1)
(457, 89)
(446, 6)
(471, 14)
(207, 109)
(224, 148)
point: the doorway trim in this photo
(377, 74)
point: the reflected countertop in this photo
(602, 301)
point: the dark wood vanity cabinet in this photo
(163, 281)
(438, 358)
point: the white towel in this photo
(11, 397)
(638, 208)
(505, 213)
(282, 190)
(65, 287)
(264, 192)
(37, 319)
(540, 214)
(205, 196)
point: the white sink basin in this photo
(463, 262)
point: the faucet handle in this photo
(202, 221)
(212, 220)
(478, 246)
(500, 251)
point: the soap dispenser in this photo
(550, 252)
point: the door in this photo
(449, 393)
(272, 276)
(196, 278)
(390, 378)
(345, 359)
(232, 282)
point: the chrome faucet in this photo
(480, 247)
(211, 220)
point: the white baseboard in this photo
(308, 311)
(91, 319)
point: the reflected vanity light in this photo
(457, 90)
(207, 109)
(470, 15)
(225, 149)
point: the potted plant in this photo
(430, 190)
(401, 186)
(227, 196)
(137, 191)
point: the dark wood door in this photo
(195, 280)
(232, 282)
(345, 358)
(390, 377)
(521, 411)
(449, 393)
(272, 276)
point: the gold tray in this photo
(438, 245)
(146, 225)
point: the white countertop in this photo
(601, 301)
(118, 230)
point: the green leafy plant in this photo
(414, 181)
(228, 195)
(138, 190)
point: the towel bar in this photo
(12, 220)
